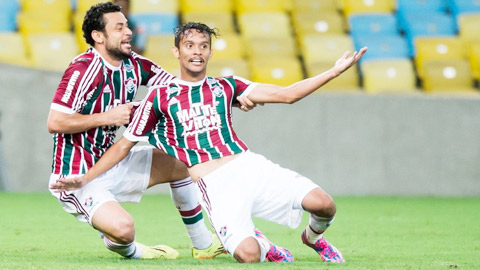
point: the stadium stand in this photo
(314, 6)
(247, 6)
(229, 46)
(388, 75)
(154, 6)
(52, 51)
(148, 24)
(206, 6)
(447, 76)
(8, 15)
(367, 6)
(229, 67)
(159, 47)
(264, 24)
(474, 57)
(12, 49)
(459, 7)
(307, 22)
(223, 21)
(468, 24)
(280, 71)
(268, 47)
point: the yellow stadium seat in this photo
(12, 49)
(367, 6)
(314, 6)
(84, 5)
(347, 81)
(52, 51)
(228, 67)
(77, 30)
(247, 6)
(437, 48)
(388, 75)
(169, 64)
(261, 47)
(206, 6)
(325, 48)
(468, 26)
(321, 22)
(264, 24)
(31, 22)
(447, 76)
(230, 46)
(52, 7)
(159, 48)
(474, 57)
(154, 6)
(279, 71)
(223, 21)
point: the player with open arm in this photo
(190, 119)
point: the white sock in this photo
(184, 196)
(264, 247)
(131, 250)
(316, 226)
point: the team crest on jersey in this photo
(223, 231)
(89, 201)
(131, 85)
(215, 86)
(128, 67)
(172, 90)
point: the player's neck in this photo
(189, 76)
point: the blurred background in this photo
(405, 120)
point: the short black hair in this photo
(94, 19)
(184, 29)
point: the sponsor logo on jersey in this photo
(144, 118)
(199, 118)
(155, 69)
(70, 85)
(131, 85)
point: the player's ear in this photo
(175, 52)
(97, 36)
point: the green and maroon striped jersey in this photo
(191, 121)
(92, 85)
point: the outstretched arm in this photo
(269, 93)
(114, 155)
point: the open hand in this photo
(68, 184)
(346, 61)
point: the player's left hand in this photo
(246, 104)
(68, 184)
(346, 61)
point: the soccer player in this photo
(190, 119)
(93, 99)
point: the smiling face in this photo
(114, 42)
(193, 53)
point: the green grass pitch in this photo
(372, 233)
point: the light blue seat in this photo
(382, 47)
(147, 24)
(373, 24)
(405, 7)
(8, 15)
(427, 24)
(458, 7)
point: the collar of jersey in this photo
(191, 84)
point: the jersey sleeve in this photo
(75, 86)
(243, 87)
(152, 74)
(144, 119)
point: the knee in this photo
(123, 230)
(319, 203)
(248, 251)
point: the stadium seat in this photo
(264, 24)
(325, 48)
(154, 6)
(367, 6)
(459, 7)
(388, 75)
(247, 6)
(223, 21)
(417, 6)
(206, 6)
(32, 22)
(52, 51)
(261, 47)
(229, 67)
(153, 24)
(12, 49)
(47, 6)
(230, 46)
(373, 24)
(159, 48)
(279, 71)
(77, 30)
(382, 47)
(431, 24)
(437, 48)
(447, 76)
(468, 24)
(8, 15)
(349, 79)
(474, 56)
(314, 6)
(311, 22)
(84, 5)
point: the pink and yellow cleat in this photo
(327, 251)
(276, 253)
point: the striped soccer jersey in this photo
(191, 121)
(91, 85)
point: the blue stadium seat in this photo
(458, 7)
(8, 15)
(373, 24)
(382, 47)
(427, 24)
(407, 6)
(153, 24)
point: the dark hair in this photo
(94, 19)
(200, 27)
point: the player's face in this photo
(193, 54)
(117, 35)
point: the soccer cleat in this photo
(158, 252)
(275, 253)
(211, 252)
(328, 253)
